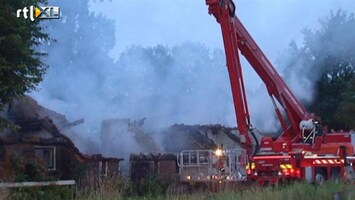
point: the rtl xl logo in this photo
(44, 12)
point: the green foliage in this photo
(77, 168)
(328, 60)
(346, 110)
(41, 193)
(149, 186)
(29, 169)
(79, 56)
(20, 66)
(333, 47)
(295, 191)
(115, 187)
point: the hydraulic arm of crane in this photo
(235, 37)
(235, 72)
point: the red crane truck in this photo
(304, 150)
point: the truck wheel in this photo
(320, 178)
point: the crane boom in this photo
(235, 74)
(235, 36)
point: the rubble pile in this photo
(172, 139)
(179, 137)
(119, 137)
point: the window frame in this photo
(53, 159)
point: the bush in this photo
(40, 193)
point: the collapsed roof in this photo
(179, 137)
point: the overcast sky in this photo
(272, 23)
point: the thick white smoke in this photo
(184, 80)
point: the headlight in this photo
(219, 152)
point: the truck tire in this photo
(321, 175)
(320, 179)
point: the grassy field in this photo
(297, 191)
(117, 190)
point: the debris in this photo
(179, 137)
(40, 150)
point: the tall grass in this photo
(109, 188)
(117, 188)
(4, 194)
(297, 191)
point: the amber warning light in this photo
(43, 12)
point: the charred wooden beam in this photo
(74, 123)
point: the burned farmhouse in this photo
(36, 149)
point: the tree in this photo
(79, 61)
(327, 61)
(346, 110)
(80, 54)
(21, 68)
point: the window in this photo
(47, 154)
(185, 158)
(193, 158)
(203, 157)
(103, 168)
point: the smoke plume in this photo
(101, 69)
